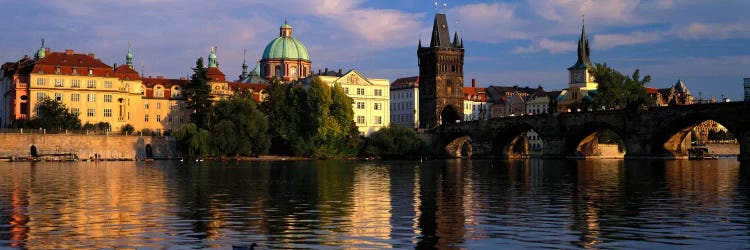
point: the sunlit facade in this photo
(371, 98)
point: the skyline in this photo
(525, 43)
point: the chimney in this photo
(115, 66)
(182, 78)
(68, 51)
(473, 82)
(319, 71)
(339, 71)
(159, 77)
(91, 55)
(326, 72)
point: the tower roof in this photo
(584, 52)
(285, 46)
(441, 36)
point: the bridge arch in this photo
(583, 141)
(512, 141)
(676, 141)
(449, 115)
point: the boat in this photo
(699, 153)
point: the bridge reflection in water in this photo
(662, 132)
(350, 204)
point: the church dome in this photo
(285, 47)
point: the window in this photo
(169, 118)
(158, 118)
(75, 83)
(41, 96)
(75, 111)
(107, 98)
(91, 97)
(145, 105)
(58, 97)
(91, 84)
(158, 92)
(75, 97)
(360, 119)
(91, 112)
(346, 91)
(158, 105)
(91, 71)
(378, 106)
(75, 71)
(378, 120)
(59, 82)
(145, 118)
(41, 81)
(360, 91)
(57, 70)
(107, 112)
(378, 92)
(360, 105)
(108, 84)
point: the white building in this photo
(405, 101)
(371, 98)
(476, 106)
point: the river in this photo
(474, 204)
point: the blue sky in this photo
(521, 42)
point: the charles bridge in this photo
(653, 132)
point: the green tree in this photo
(53, 115)
(128, 129)
(198, 94)
(240, 128)
(192, 140)
(332, 121)
(396, 142)
(281, 108)
(618, 90)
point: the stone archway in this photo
(33, 151)
(149, 151)
(457, 147)
(449, 115)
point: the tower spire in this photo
(584, 50)
(129, 58)
(41, 52)
(244, 64)
(212, 60)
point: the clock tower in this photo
(441, 77)
(580, 74)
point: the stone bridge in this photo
(660, 132)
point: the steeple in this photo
(440, 32)
(41, 52)
(212, 62)
(456, 42)
(129, 58)
(584, 51)
(244, 64)
(285, 30)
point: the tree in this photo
(192, 140)
(281, 108)
(618, 90)
(52, 114)
(128, 129)
(198, 94)
(240, 128)
(332, 121)
(396, 142)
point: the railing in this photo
(72, 132)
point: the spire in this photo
(212, 62)
(244, 64)
(420, 40)
(455, 40)
(129, 58)
(285, 30)
(440, 32)
(41, 52)
(584, 51)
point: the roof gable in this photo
(353, 77)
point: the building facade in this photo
(441, 75)
(405, 102)
(580, 78)
(371, 98)
(476, 106)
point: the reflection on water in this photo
(350, 204)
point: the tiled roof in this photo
(405, 82)
(214, 74)
(22, 67)
(475, 94)
(126, 73)
(167, 83)
(68, 61)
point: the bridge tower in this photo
(441, 76)
(580, 75)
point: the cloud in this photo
(712, 31)
(608, 41)
(489, 22)
(548, 45)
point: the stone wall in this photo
(724, 148)
(86, 146)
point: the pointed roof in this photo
(125, 72)
(440, 32)
(680, 87)
(584, 52)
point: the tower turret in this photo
(129, 58)
(244, 65)
(41, 52)
(212, 61)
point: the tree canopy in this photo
(53, 115)
(240, 128)
(618, 90)
(396, 142)
(198, 96)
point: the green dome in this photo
(285, 48)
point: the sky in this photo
(704, 43)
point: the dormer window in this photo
(57, 70)
(75, 71)
(91, 71)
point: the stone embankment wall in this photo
(87, 146)
(724, 148)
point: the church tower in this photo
(441, 77)
(580, 74)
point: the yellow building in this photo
(371, 98)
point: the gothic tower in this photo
(580, 75)
(441, 77)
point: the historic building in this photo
(405, 101)
(441, 66)
(580, 78)
(371, 98)
(476, 106)
(508, 101)
(285, 57)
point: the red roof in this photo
(214, 74)
(167, 83)
(475, 94)
(68, 61)
(126, 73)
(405, 82)
(256, 88)
(652, 90)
